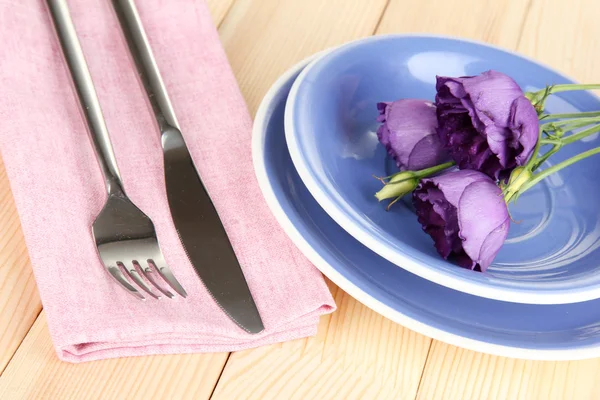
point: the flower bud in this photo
(401, 183)
(518, 177)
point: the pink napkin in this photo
(59, 190)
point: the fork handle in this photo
(145, 63)
(86, 92)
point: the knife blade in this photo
(197, 222)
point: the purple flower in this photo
(485, 122)
(466, 216)
(408, 131)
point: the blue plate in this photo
(551, 256)
(568, 331)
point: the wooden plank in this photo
(263, 38)
(497, 22)
(36, 373)
(19, 300)
(566, 36)
(454, 373)
(219, 9)
(357, 354)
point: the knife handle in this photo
(139, 47)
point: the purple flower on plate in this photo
(465, 214)
(485, 122)
(408, 132)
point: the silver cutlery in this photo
(124, 235)
(194, 215)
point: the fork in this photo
(125, 237)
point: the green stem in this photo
(567, 87)
(531, 163)
(546, 156)
(551, 141)
(420, 174)
(559, 143)
(570, 124)
(581, 135)
(555, 168)
(538, 99)
(432, 170)
(572, 138)
(571, 115)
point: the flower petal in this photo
(406, 123)
(492, 94)
(426, 152)
(492, 244)
(381, 107)
(482, 218)
(437, 217)
(524, 124)
(453, 184)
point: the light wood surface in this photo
(492, 21)
(264, 38)
(36, 373)
(452, 373)
(356, 353)
(19, 300)
(218, 9)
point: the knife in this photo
(194, 215)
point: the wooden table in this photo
(356, 353)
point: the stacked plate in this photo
(316, 151)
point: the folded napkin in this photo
(59, 190)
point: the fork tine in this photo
(160, 265)
(147, 272)
(135, 276)
(116, 273)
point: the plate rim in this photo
(354, 227)
(258, 141)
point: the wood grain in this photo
(19, 300)
(454, 373)
(564, 35)
(357, 354)
(218, 9)
(36, 373)
(265, 38)
(492, 21)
